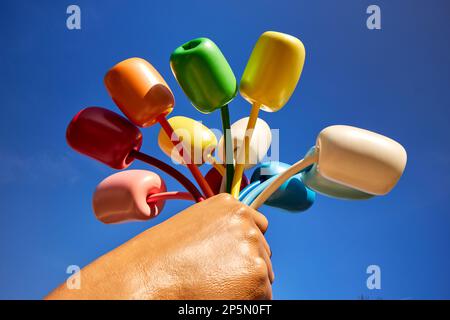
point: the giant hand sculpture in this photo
(212, 250)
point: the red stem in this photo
(170, 195)
(186, 157)
(171, 171)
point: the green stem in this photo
(228, 146)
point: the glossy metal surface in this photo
(259, 144)
(195, 137)
(204, 74)
(292, 195)
(315, 181)
(360, 159)
(104, 135)
(139, 91)
(214, 179)
(273, 70)
(122, 197)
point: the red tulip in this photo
(105, 136)
(214, 179)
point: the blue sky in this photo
(394, 81)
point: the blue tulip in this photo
(293, 195)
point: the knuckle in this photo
(246, 250)
(243, 212)
(260, 269)
(241, 223)
(237, 224)
(247, 232)
(252, 235)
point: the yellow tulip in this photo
(195, 137)
(269, 79)
(273, 70)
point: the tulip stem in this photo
(170, 195)
(186, 157)
(275, 182)
(219, 167)
(185, 182)
(227, 146)
(244, 192)
(243, 156)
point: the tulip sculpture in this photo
(196, 138)
(269, 79)
(111, 139)
(132, 195)
(356, 158)
(258, 147)
(208, 81)
(345, 163)
(215, 180)
(145, 98)
(293, 195)
(315, 181)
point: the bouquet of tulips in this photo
(346, 162)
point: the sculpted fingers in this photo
(266, 258)
(260, 220)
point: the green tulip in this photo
(207, 79)
(204, 74)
